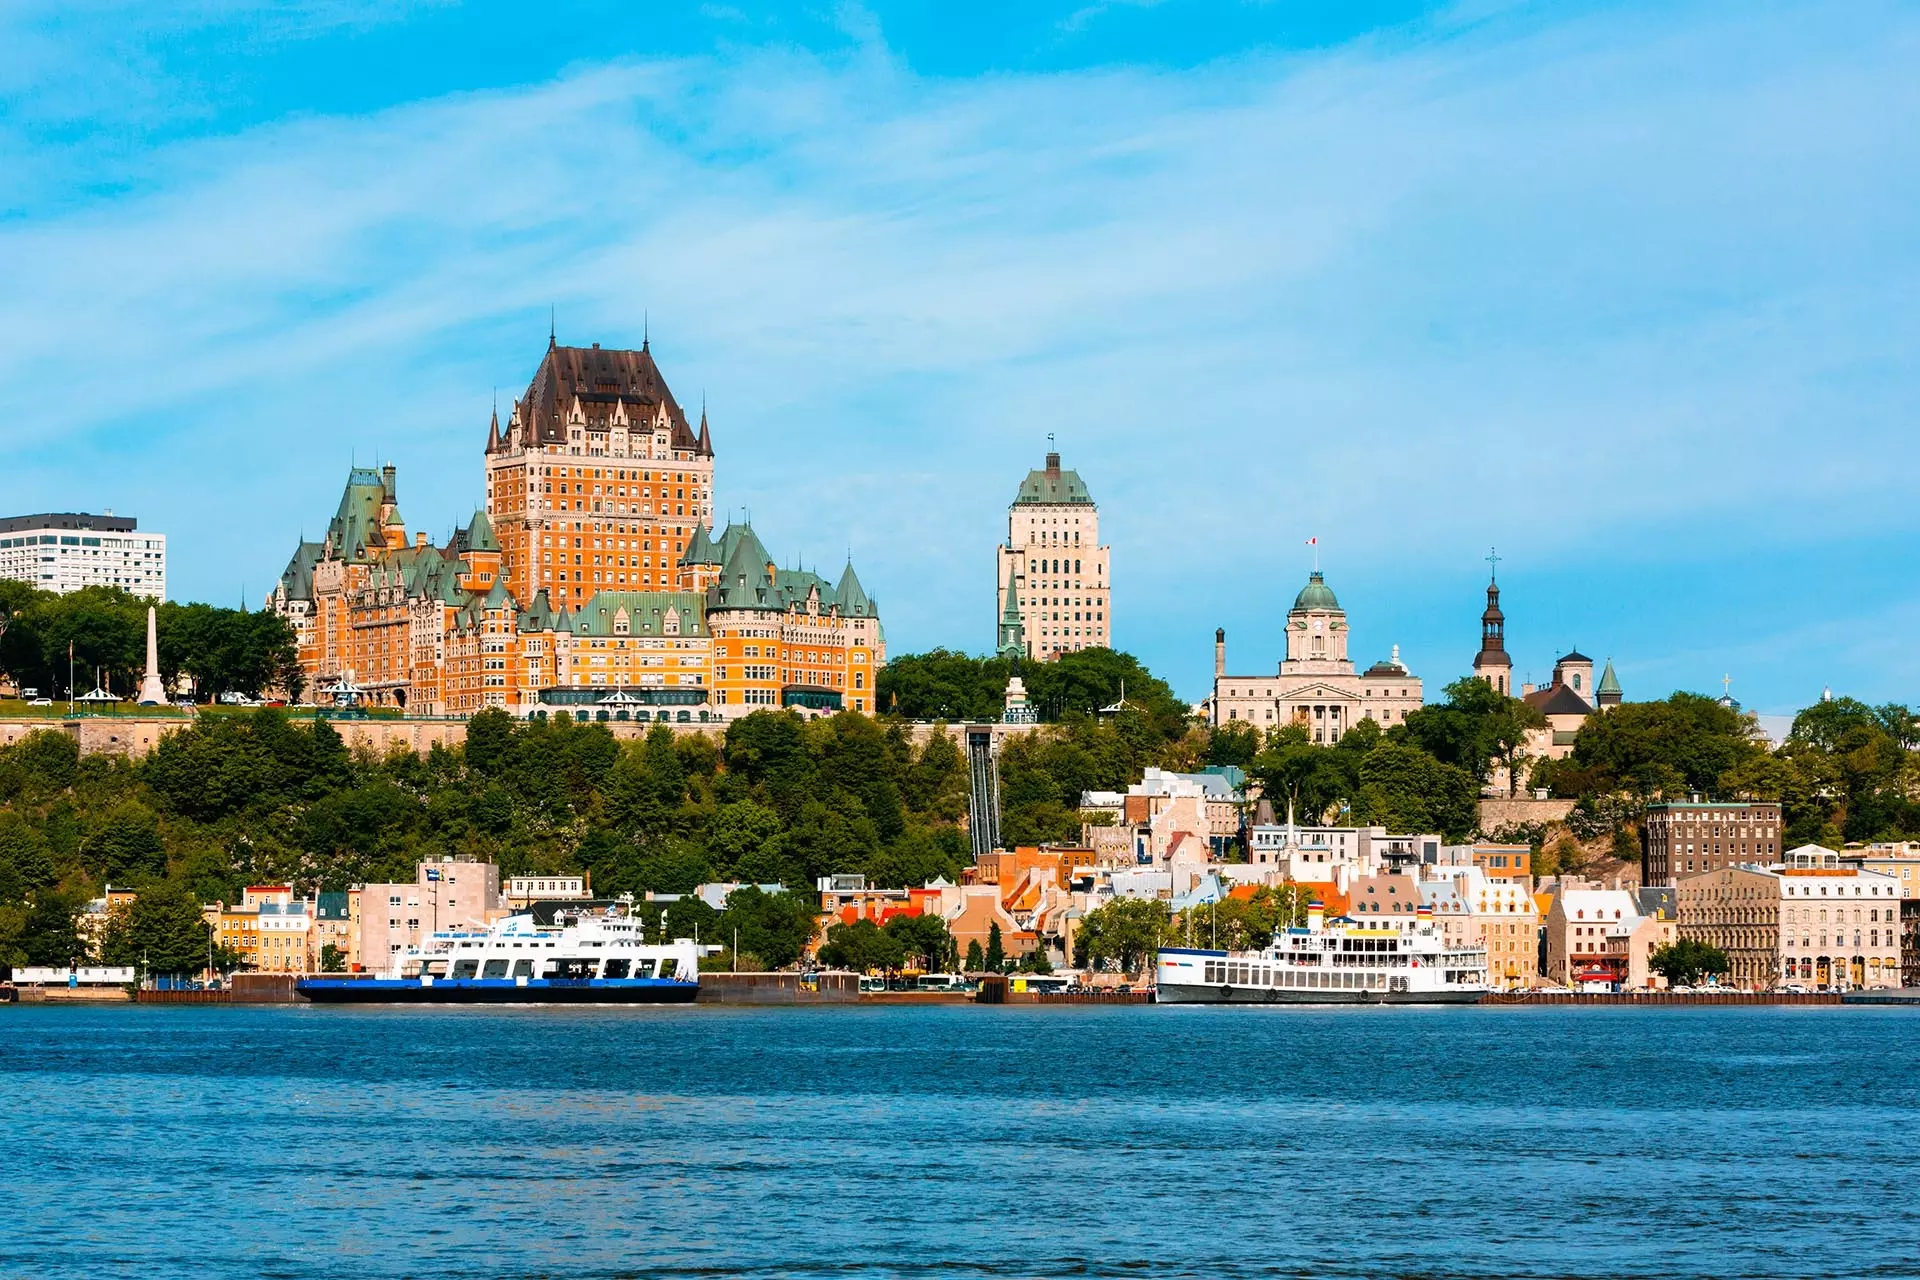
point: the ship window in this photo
(496, 968)
(643, 968)
(523, 968)
(465, 968)
(615, 969)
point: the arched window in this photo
(1076, 566)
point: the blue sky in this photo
(1626, 290)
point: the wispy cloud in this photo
(1581, 288)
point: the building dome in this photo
(1316, 594)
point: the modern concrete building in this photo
(444, 895)
(1054, 586)
(1810, 920)
(1316, 685)
(1687, 838)
(68, 550)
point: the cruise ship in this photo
(583, 958)
(1336, 963)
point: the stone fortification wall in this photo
(135, 736)
(1521, 810)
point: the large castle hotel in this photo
(590, 582)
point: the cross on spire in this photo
(1493, 565)
(1726, 686)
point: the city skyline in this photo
(1612, 291)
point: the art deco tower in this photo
(1052, 572)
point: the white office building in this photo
(66, 551)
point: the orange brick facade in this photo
(591, 582)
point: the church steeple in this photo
(1492, 663)
(1013, 632)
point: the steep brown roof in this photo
(601, 380)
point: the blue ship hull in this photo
(497, 991)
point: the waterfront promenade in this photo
(959, 1141)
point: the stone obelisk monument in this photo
(152, 692)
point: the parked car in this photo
(39, 702)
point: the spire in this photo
(704, 445)
(646, 336)
(1607, 693)
(493, 429)
(552, 327)
(1013, 631)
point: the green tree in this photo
(48, 935)
(777, 927)
(1684, 962)
(976, 961)
(862, 946)
(332, 959)
(924, 938)
(1124, 932)
(164, 931)
(995, 959)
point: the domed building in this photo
(1315, 685)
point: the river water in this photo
(960, 1141)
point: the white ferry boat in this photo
(1338, 963)
(583, 958)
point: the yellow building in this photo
(590, 583)
(269, 929)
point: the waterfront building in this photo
(1053, 579)
(269, 929)
(336, 924)
(1685, 838)
(1316, 685)
(1899, 860)
(1809, 920)
(64, 551)
(99, 916)
(591, 582)
(523, 891)
(1597, 938)
(449, 894)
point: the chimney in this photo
(1219, 652)
(420, 538)
(1053, 464)
(386, 480)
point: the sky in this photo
(1625, 291)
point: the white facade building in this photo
(65, 551)
(1316, 685)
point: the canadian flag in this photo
(1313, 542)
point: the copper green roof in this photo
(1053, 487)
(646, 613)
(1609, 683)
(480, 534)
(1316, 594)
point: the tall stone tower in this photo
(598, 481)
(1492, 663)
(1052, 573)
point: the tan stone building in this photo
(1316, 685)
(1810, 922)
(1054, 585)
(1685, 838)
(1597, 937)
